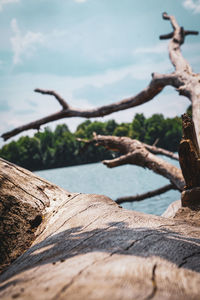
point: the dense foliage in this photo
(59, 148)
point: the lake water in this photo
(125, 180)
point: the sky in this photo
(91, 52)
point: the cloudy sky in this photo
(92, 52)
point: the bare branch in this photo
(156, 142)
(84, 141)
(119, 161)
(157, 150)
(171, 19)
(156, 85)
(166, 36)
(62, 102)
(177, 39)
(135, 152)
(144, 196)
(191, 32)
(33, 125)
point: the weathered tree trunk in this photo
(88, 247)
(24, 202)
(189, 156)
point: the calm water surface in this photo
(121, 181)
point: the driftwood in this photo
(144, 196)
(189, 157)
(140, 154)
(137, 153)
(61, 245)
(183, 79)
(87, 247)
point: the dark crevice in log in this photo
(36, 222)
(154, 283)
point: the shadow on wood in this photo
(88, 247)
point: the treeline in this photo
(60, 148)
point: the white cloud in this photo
(157, 49)
(24, 45)
(80, 1)
(193, 5)
(3, 2)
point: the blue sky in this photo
(92, 52)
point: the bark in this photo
(189, 155)
(24, 201)
(183, 79)
(87, 247)
(157, 150)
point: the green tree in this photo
(110, 126)
(122, 130)
(155, 128)
(172, 135)
(137, 128)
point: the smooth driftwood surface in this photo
(87, 247)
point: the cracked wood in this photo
(87, 247)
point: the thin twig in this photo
(144, 196)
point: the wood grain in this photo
(87, 247)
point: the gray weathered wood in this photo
(88, 247)
(136, 153)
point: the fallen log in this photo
(88, 247)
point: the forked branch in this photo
(156, 85)
(62, 102)
(177, 39)
(136, 153)
(157, 150)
